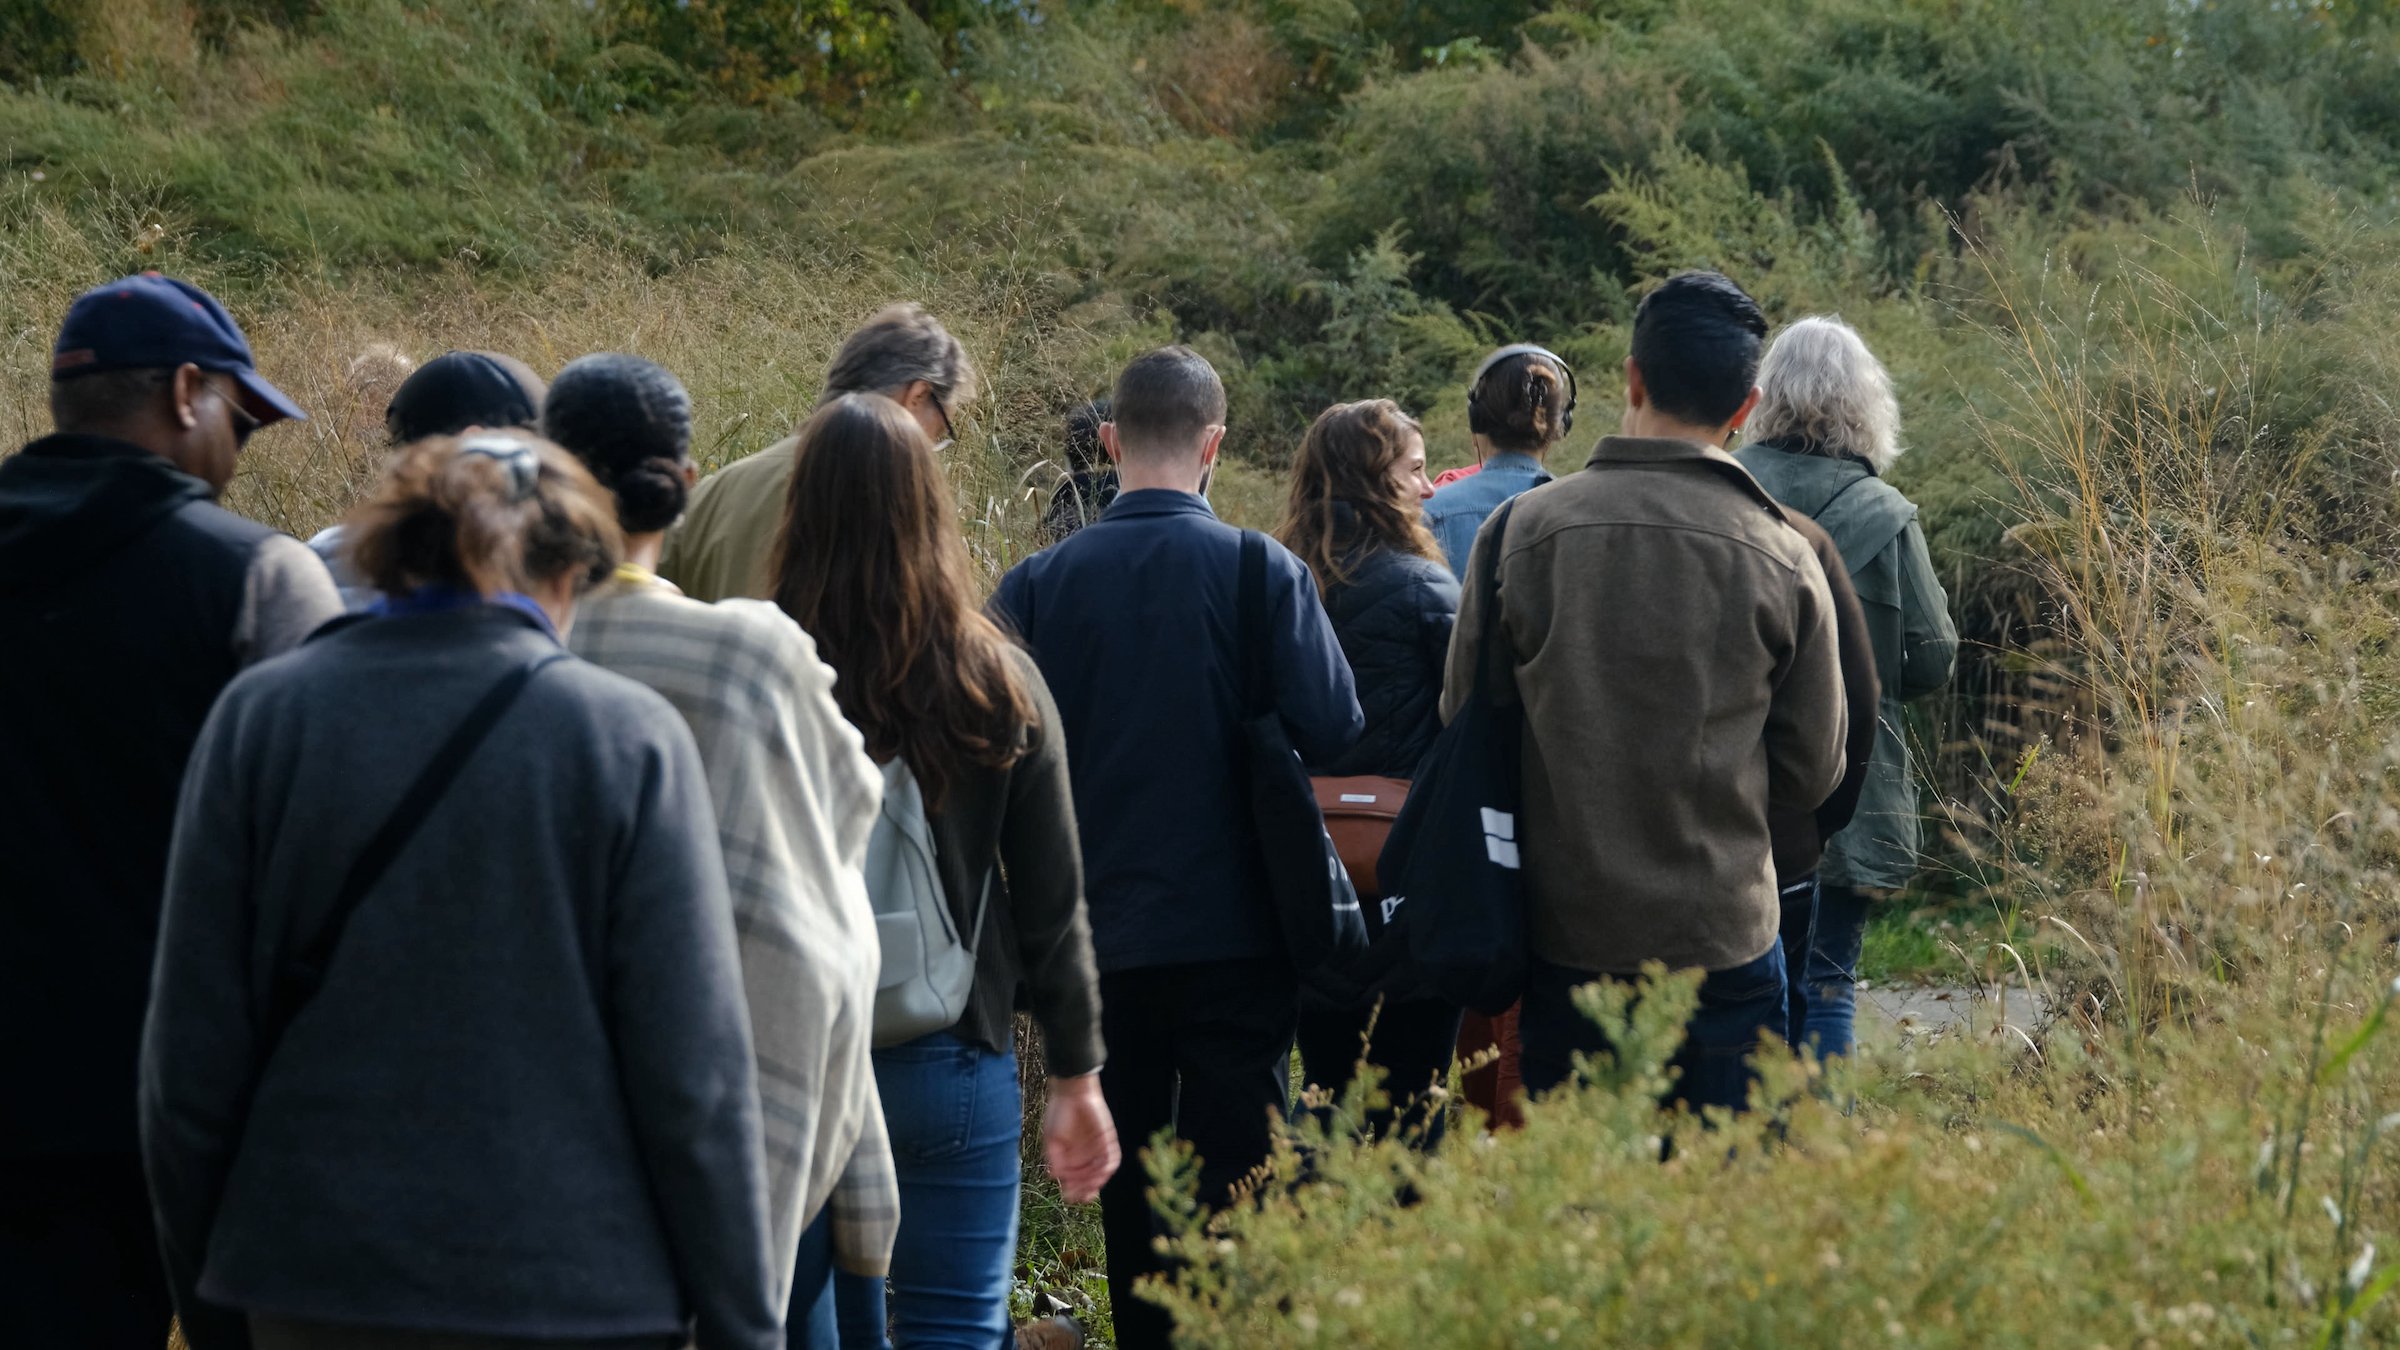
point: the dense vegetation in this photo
(2136, 268)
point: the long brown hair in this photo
(1346, 461)
(872, 564)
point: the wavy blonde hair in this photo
(1820, 384)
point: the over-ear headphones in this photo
(1480, 423)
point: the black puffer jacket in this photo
(1393, 615)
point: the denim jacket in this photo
(1459, 509)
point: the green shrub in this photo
(2167, 1194)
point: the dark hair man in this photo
(128, 599)
(721, 549)
(1090, 483)
(1672, 641)
(1134, 620)
(453, 392)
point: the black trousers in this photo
(1203, 1049)
(79, 1263)
(1413, 1042)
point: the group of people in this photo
(462, 935)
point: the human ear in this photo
(189, 383)
(1209, 446)
(1742, 414)
(1636, 393)
(1108, 442)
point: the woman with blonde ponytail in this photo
(447, 1043)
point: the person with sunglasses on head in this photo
(722, 547)
(128, 599)
(449, 1049)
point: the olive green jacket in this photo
(721, 548)
(1908, 616)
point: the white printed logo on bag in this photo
(1500, 837)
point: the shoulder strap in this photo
(1872, 521)
(1255, 688)
(933, 850)
(303, 972)
(1493, 636)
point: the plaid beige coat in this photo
(795, 796)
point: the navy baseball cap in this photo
(154, 322)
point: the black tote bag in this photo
(1315, 903)
(1453, 891)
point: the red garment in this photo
(1498, 1087)
(1449, 476)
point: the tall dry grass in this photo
(749, 331)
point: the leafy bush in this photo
(2126, 1194)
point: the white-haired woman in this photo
(1826, 429)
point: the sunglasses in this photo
(245, 425)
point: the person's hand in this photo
(1079, 1140)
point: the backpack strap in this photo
(1493, 636)
(1253, 640)
(303, 973)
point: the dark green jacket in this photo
(1908, 616)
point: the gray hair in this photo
(899, 346)
(1820, 384)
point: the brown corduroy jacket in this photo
(1672, 641)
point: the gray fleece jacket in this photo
(522, 1101)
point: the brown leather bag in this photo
(1358, 814)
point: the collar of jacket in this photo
(1513, 461)
(1618, 452)
(1796, 444)
(77, 445)
(1158, 502)
(67, 501)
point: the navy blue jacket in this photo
(1135, 622)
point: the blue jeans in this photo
(1827, 990)
(1737, 1007)
(830, 1308)
(955, 1115)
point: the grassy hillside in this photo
(2133, 267)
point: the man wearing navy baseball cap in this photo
(128, 599)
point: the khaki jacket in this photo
(721, 548)
(1673, 646)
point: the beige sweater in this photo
(795, 797)
(1673, 645)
